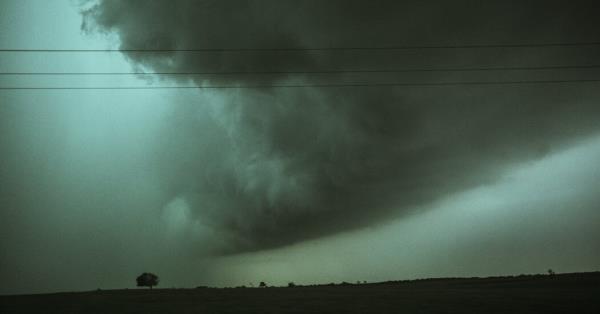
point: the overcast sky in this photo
(226, 187)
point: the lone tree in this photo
(262, 284)
(147, 280)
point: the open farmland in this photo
(566, 293)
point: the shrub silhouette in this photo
(262, 284)
(291, 285)
(147, 280)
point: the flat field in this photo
(564, 293)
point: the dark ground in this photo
(565, 293)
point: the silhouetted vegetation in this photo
(564, 293)
(262, 284)
(147, 280)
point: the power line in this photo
(384, 84)
(400, 47)
(484, 69)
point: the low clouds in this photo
(265, 168)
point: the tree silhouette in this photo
(147, 280)
(262, 284)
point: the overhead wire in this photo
(311, 72)
(248, 49)
(333, 85)
(341, 71)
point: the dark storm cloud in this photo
(270, 167)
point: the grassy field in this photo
(565, 293)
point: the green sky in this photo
(227, 187)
